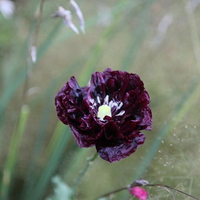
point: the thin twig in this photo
(32, 46)
(112, 192)
(143, 183)
(39, 19)
(167, 187)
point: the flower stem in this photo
(169, 188)
(32, 47)
(82, 173)
(144, 183)
(112, 192)
(38, 16)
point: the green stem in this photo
(33, 44)
(112, 192)
(82, 173)
(150, 185)
(13, 153)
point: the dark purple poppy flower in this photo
(109, 113)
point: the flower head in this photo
(109, 113)
(139, 193)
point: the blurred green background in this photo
(156, 39)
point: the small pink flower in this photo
(139, 193)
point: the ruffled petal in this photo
(68, 102)
(97, 88)
(73, 109)
(85, 138)
(116, 150)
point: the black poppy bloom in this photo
(109, 113)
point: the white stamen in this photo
(120, 105)
(106, 100)
(105, 108)
(98, 99)
(120, 113)
(115, 104)
(91, 101)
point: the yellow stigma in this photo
(103, 111)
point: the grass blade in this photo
(13, 152)
(55, 151)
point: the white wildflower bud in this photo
(61, 12)
(32, 91)
(7, 8)
(33, 52)
(79, 14)
(67, 18)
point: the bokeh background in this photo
(156, 39)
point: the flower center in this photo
(104, 110)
